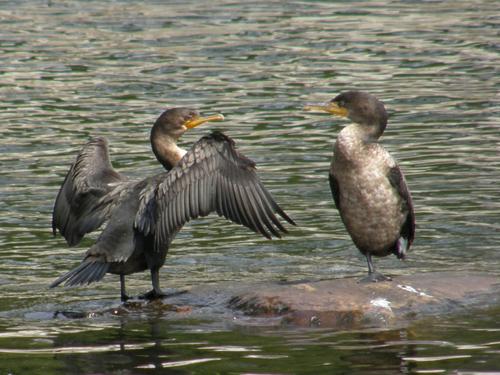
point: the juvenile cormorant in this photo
(368, 187)
(143, 217)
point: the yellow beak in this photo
(194, 122)
(331, 108)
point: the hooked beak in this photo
(332, 108)
(194, 122)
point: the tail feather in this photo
(98, 273)
(87, 272)
(401, 247)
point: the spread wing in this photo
(398, 181)
(211, 177)
(76, 210)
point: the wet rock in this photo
(344, 303)
(337, 303)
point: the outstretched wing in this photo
(76, 210)
(211, 177)
(398, 181)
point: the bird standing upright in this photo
(368, 187)
(144, 216)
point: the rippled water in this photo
(72, 69)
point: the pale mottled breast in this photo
(369, 205)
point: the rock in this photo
(336, 303)
(344, 303)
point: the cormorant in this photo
(144, 216)
(368, 187)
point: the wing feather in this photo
(246, 210)
(256, 213)
(398, 181)
(334, 187)
(227, 201)
(211, 177)
(78, 209)
(242, 212)
(268, 208)
(234, 214)
(261, 212)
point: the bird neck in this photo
(352, 145)
(364, 134)
(165, 149)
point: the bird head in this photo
(176, 121)
(359, 107)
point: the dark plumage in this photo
(368, 187)
(143, 217)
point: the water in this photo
(72, 69)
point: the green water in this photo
(73, 69)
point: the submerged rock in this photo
(336, 303)
(345, 303)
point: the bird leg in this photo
(156, 292)
(373, 276)
(123, 295)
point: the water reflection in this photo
(143, 345)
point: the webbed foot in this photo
(152, 295)
(374, 277)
